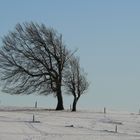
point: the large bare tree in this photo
(32, 60)
(75, 81)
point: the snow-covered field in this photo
(16, 124)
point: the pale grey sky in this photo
(107, 34)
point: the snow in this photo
(17, 124)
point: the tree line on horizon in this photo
(35, 60)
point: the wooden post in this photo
(70, 107)
(36, 104)
(33, 118)
(116, 129)
(104, 110)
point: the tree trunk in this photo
(74, 104)
(59, 100)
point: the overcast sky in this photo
(107, 35)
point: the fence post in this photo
(104, 110)
(70, 107)
(36, 104)
(33, 118)
(116, 129)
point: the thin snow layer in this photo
(17, 124)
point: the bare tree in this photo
(75, 81)
(32, 60)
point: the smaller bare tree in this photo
(75, 81)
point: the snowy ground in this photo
(16, 124)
